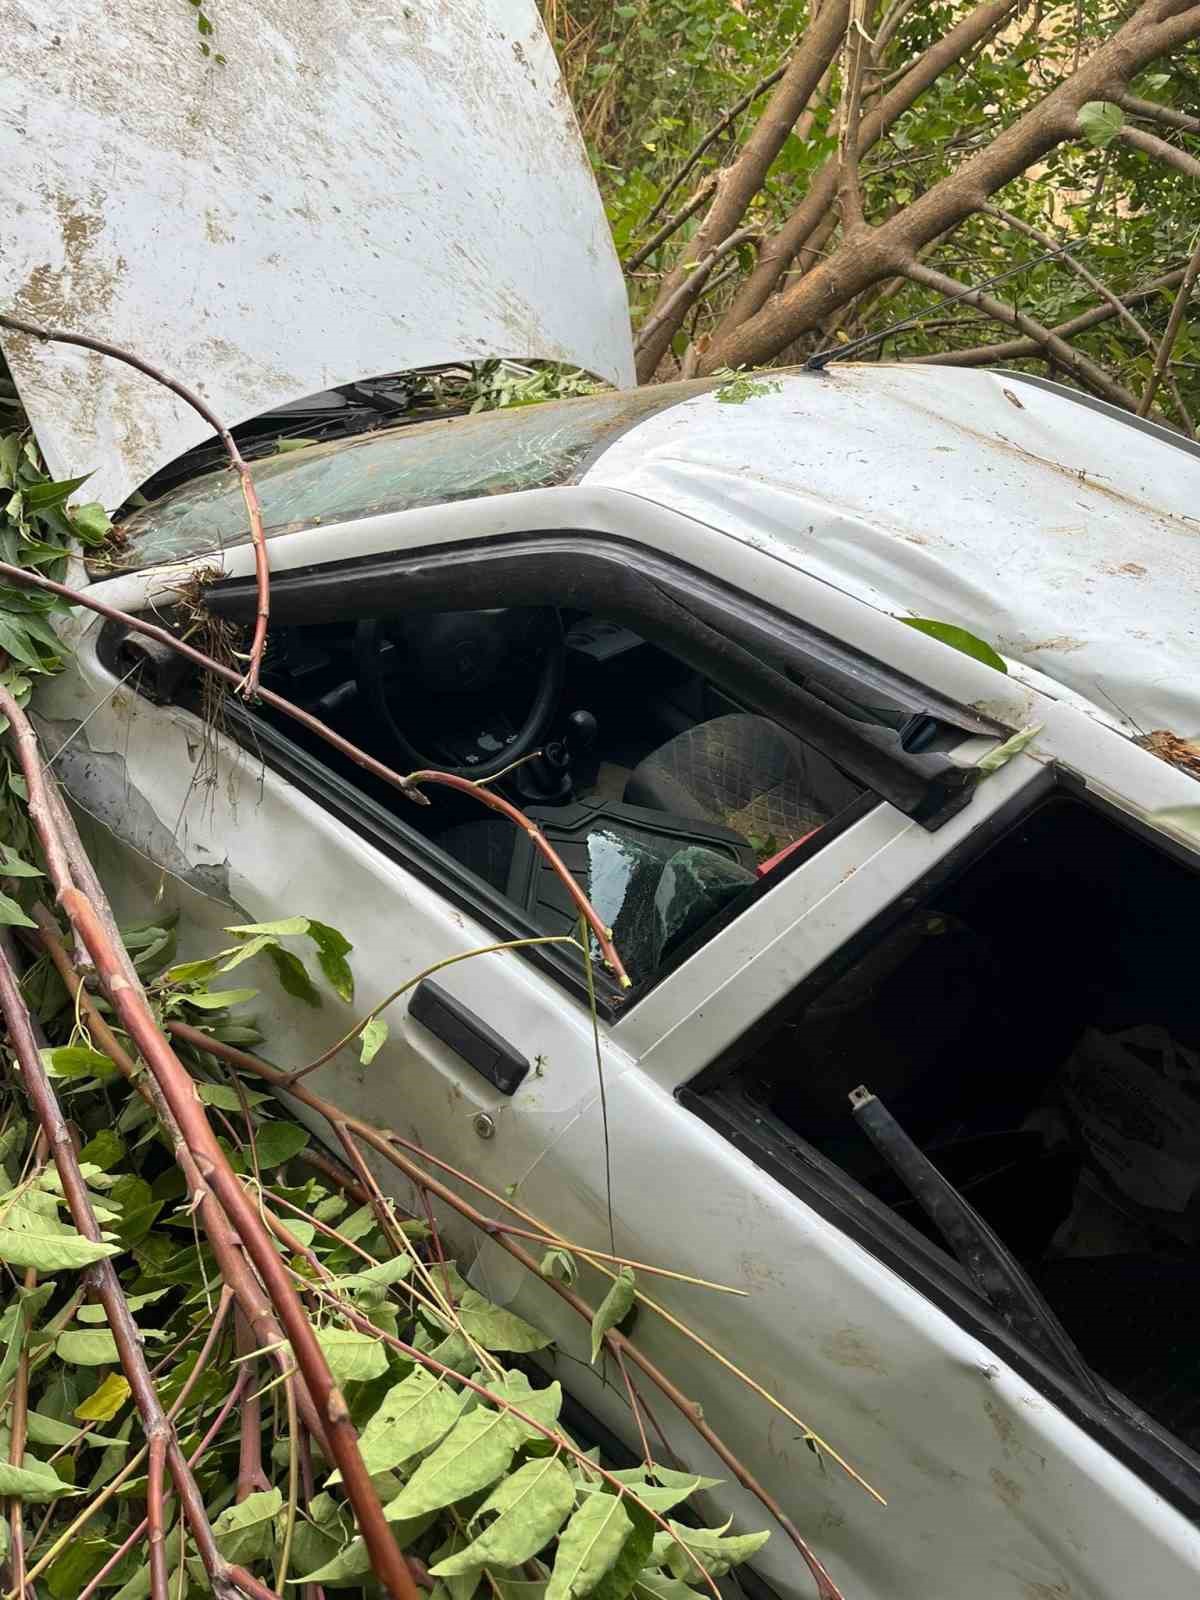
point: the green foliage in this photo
(736, 387)
(958, 639)
(614, 1308)
(472, 1483)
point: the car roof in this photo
(1064, 533)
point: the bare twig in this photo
(672, 225)
(250, 1475)
(689, 289)
(850, 118)
(1162, 356)
(175, 1083)
(18, 1419)
(249, 684)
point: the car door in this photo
(985, 1470)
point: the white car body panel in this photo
(1064, 536)
(993, 1490)
(425, 199)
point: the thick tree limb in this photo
(781, 249)
(738, 184)
(984, 355)
(1155, 28)
(1171, 333)
(1071, 360)
(249, 684)
(175, 1082)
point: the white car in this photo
(835, 852)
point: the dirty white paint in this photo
(1067, 539)
(362, 187)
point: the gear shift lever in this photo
(548, 779)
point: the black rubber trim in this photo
(462, 1031)
(772, 663)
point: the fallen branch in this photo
(1154, 111)
(1162, 357)
(102, 1280)
(248, 685)
(407, 786)
(673, 223)
(175, 1083)
(687, 291)
(1151, 145)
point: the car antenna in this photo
(820, 359)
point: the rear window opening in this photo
(1034, 1027)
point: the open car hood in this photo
(331, 193)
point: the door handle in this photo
(457, 1027)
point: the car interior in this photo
(1033, 1027)
(667, 799)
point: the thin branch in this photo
(1019, 225)
(673, 223)
(678, 301)
(250, 1475)
(132, 1008)
(849, 187)
(726, 120)
(1171, 333)
(1154, 112)
(249, 684)
(101, 1277)
(25, 577)
(1071, 360)
(1151, 145)
(20, 1412)
(385, 1144)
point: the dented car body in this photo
(835, 851)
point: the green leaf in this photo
(41, 496)
(105, 1401)
(245, 1532)
(958, 639)
(716, 1551)
(371, 1040)
(560, 1264)
(332, 949)
(372, 1283)
(50, 1251)
(353, 1357)
(588, 1547)
(192, 971)
(91, 522)
(1100, 121)
(478, 1450)
(293, 975)
(993, 760)
(281, 929)
(218, 999)
(277, 1142)
(77, 1061)
(613, 1308)
(530, 1506)
(13, 866)
(225, 1098)
(1185, 818)
(104, 1149)
(33, 1481)
(49, 1430)
(617, 1583)
(11, 915)
(412, 1417)
(246, 952)
(666, 1496)
(496, 1329)
(87, 1347)
(82, 1559)
(284, 446)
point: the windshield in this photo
(394, 469)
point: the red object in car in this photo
(772, 862)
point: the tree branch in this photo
(672, 224)
(738, 184)
(1071, 360)
(1171, 333)
(1154, 112)
(1101, 288)
(676, 304)
(248, 685)
(1154, 29)
(130, 1004)
(1151, 145)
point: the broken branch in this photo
(248, 685)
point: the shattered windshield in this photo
(393, 469)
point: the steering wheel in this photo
(460, 653)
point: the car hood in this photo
(328, 194)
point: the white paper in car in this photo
(1140, 1128)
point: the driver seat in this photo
(746, 772)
